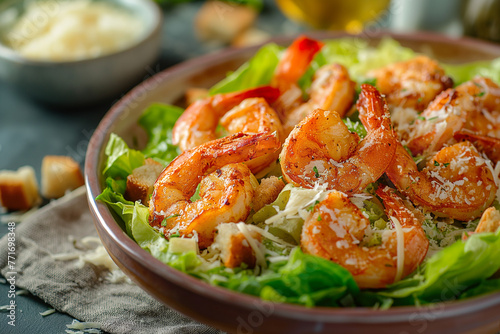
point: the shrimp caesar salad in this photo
(326, 173)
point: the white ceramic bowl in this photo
(89, 81)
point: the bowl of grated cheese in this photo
(77, 53)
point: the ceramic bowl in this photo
(89, 81)
(235, 312)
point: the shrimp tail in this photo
(225, 102)
(295, 61)
(373, 110)
(198, 122)
(486, 144)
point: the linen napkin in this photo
(83, 292)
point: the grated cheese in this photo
(400, 248)
(97, 256)
(298, 203)
(73, 30)
(48, 312)
(259, 253)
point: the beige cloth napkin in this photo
(83, 292)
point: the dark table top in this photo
(30, 130)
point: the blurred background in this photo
(215, 24)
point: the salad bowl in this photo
(235, 312)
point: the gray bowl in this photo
(85, 82)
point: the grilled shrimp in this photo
(331, 88)
(411, 84)
(473, 106)
(226, 186)
(336, 228)
(198, 123)
(456, 182)
(322, 149)
(254, 115)
(485, 144)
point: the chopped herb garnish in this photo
(319, 218)
(419, 99)
(436, 163)
(164, 221)
(316, 173)
(480, 94)
(432, 118)
(175, 235)
(446, 164)
(422, 118)
(312, 206)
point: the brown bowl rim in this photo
(325, 314)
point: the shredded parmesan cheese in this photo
(400, 248)
(259, 253)
(48, 312)
(73, 30)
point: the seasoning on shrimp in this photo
(336, 228)
(226, 187)
(473, 106)
(322, 149)
(411, 84)
(198, 123)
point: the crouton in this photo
(19, 189)
(235, 248)
(250, 37)
(140, 183)
(59, 175)
(489, 222)
(267, 192)
(221, 22)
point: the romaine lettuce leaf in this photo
(121, 160)
(304, 279)
(158, 120)
(487, 286)
(463, 72)
(257, 71)
(451, 271)
(155, 243)
(123, 208)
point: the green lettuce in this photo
(463, 72)
(121, 207)
(303, 279)
(158, 121)
(121, 160)
(257, 71)
(450, 272)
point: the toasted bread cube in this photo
(19, 189)
(234, 246)
(221, 21)
(140, 183)
(59, 175)
(267, 192)
(250, 37)
(489, 222)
